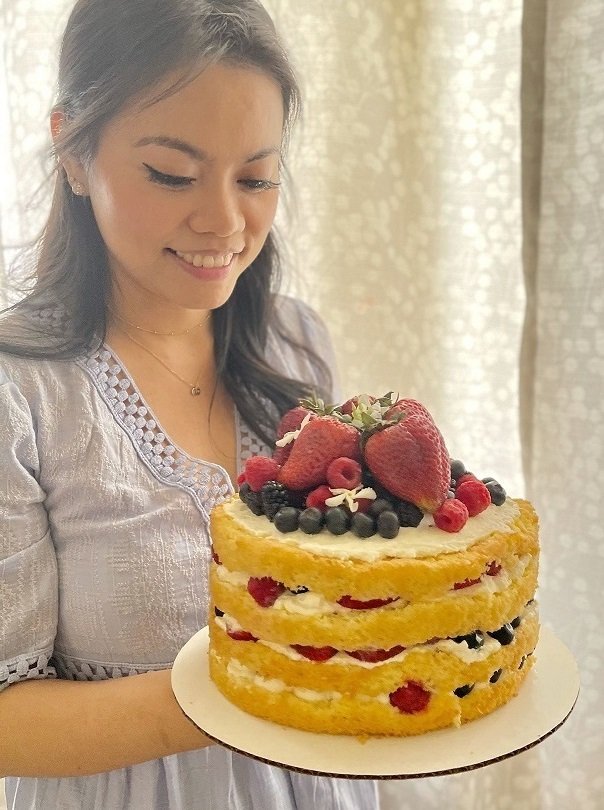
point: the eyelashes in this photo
(171, 180)
(260, 185)
(178, 181)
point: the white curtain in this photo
(447, 223)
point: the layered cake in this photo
(365, 583)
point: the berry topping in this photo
(259, 470)
(380, 505)
(241, 635)
(215, 557)
(320, 442)
(458, 468)
(357, 604)
(355, 402)
(493, 568)
(497, 492)
(344, 473)
(505, 635)
(287, 519)
(372, 656)
(253, 500)
(311, 520)
(388, 525)
(408, 514)
(475, 495)
(274, 497)
(315, 653)
(467, 476)
(474, 640)
(462, 691)
(362, 524)
(300, 589)
(317, 497)
(452, 516)
(410, 698)
(241, 479)
(406, 407)
(410, 459)
(265, 590)
(337, 520)
(495, 676)
(288, 431)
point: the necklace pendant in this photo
(195, 391)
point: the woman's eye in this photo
(259, 185)
(171, 180)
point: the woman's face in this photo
(185, 191)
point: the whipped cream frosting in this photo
(426, 540)
(239, 672)
(460, 649)
(314, 604)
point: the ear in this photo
(76, 174)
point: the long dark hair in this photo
(114, 51)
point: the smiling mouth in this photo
(200, 260)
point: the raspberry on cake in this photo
(377, 588)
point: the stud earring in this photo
(77, 187)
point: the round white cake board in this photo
(546, 699)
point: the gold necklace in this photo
(153, 331)
(193, 387)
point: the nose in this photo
(218, 211)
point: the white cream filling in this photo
(238, 671)
(307, 603)
(460, 649)
(423, 541)
(313, 604)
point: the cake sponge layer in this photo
(381, 627)
(361, 714)
(440, 669)
(412, 579)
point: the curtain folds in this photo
(446, 219)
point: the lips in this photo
(205, 267)
(205, 260)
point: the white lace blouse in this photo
(104, 555)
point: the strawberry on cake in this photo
(363, 582)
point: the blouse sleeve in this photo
(306, 327)
(28, 567)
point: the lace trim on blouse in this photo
(74, 669)
(208, 483)
(27, 667)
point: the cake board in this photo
(546, 699)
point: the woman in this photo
(145, 366)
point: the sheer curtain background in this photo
(447, 223)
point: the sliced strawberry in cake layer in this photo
(241, 635)
(265, 590)
(467, 583)
(411, 698)
(372, 656)
(358, 604)
(315, 653)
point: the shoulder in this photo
(300, 322)
(42, 383)
(300, 346)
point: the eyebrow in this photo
(198, 154)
